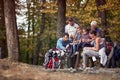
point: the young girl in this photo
(83, 41)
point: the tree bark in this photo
(61, 20)
(102, 14)
(11, 30)
(2, 29)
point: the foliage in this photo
(84, 11)
(114, 33)
(113, 11)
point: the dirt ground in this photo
(21, 71)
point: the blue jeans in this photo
(77, 47)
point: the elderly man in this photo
(71, 27)
(94, 25)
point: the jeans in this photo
(89, 53)
(77, 47)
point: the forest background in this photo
(42, 23)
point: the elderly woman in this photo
(93, 51)
(94, 26)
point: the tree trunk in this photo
(28, 35)
(36, 56)
(102, 14)
(2, 30)
(11, 30)
(61, 17)
(37, 51)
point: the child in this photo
(83, 42)
(78, 35)
(76, 40)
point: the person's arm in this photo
(60, 45)
(89, 39)
(66, 29)
(97, 41)
(96, 48)
(76, 25)
(99, 32)
(80, 40)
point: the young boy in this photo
(76, 40)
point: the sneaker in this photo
(70, 68)
(76, 53)
(73, 70)
(81, 68)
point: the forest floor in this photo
(21, 71)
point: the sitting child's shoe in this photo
(76, 53)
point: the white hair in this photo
(94, 23)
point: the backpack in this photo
(51, 59)
(53, 63)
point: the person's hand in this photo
(74, 41)
(85, 48)
(88, 40)
(79, 41)
(71, 43)
(83, 40)
(67, 46)
(65, 50)
(72, 36)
